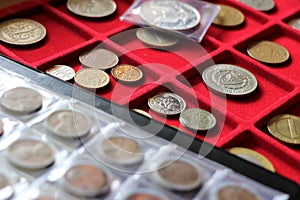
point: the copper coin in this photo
(91, 78)
(127, 73)
(62, 72)
(99, 59)
(21, 31)
(142, 196)
(236, 192)
(229, 16)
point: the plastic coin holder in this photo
(7, 125)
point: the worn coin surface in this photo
(92, 8)
(285, 127)
(229, 16)
(295, 23)
(167, 103)
(99, 59)
(6, 189)
(261, 5)
(234, 191)
(197, 119)
(21, 100)
(91, 78)
(156, 38)
(127, 73)
(21, 31)
(229, 79)
(170, 14)
(268, 52)
(252, 156)
(62, 72)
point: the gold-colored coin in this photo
(62, 72)
(21, 31)
(253, 157)
(285, 127)
(142, 112)
(229, 16)
(268, 52)
(91, 78)
(127, 73)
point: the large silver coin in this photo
(197, 119)
(170, 14)
(295, 23)
(167, 103)
(261, 5)
(229, 79)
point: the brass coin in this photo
(295, 23)
(268, 52)
(62, 72)
(142, 112)
(127, 73)
(99, 59)
(286, 128)
(252, 156)
(229, 16)
(92, 8)
(91, 78)
(21, 31)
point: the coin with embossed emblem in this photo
(295, 23)
(170, 14)
(197, 119)
(229, 79)
(91, 78)
(229, 16)
(285, 127)
(167, 103)
(260, 5)
(92, 8)
(62, 72)
(268, 52)
(21, 31)
(127, 73)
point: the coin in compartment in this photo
(127, 73)
(21, 31)
(21, 100)
(229, 16)
(6, 189)
(121, 150)
(62, 72)
(91, 78)
(142, 112)
(146, 194)
(295, 23)
(67, 123)
(285, 127)
(167, 103)
(260, 5)
(31, 154)
(92, 9)
(268, 52)
(86, 180)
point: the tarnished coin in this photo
(99, 59)
(142, 112)
(229, 79)
(31, 154)
(127, 73)
(68, 123)
(167, 103)
(170, 14)
(6, 189)
(260, 5)
(295, 23)
(229, 16)
(156, 38)
(86, 180)
(197, 119)
(253, 157)
(62, 72)
(92, 8)
(21, 100)
(268, 52)
(91, 78)
(21, 31)
(286, 128)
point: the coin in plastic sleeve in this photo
(6, 189)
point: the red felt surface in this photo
(241, 122)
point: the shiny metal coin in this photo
(229, 16)
(295, 23)
(170, 14)
(229, 79)
(260, 5)
(91, 78)
(62, 72)
(92, 8)
(127, 73)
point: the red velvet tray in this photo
(69, 35)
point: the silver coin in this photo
(167, 103)
(170, 14)
(197, 119)
(295, 23)
(261, 5)
(229, 79)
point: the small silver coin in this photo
(167, 103)
(295, 23)
(229, 79)
(197, 119)
(260, 5)
(170, 14)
